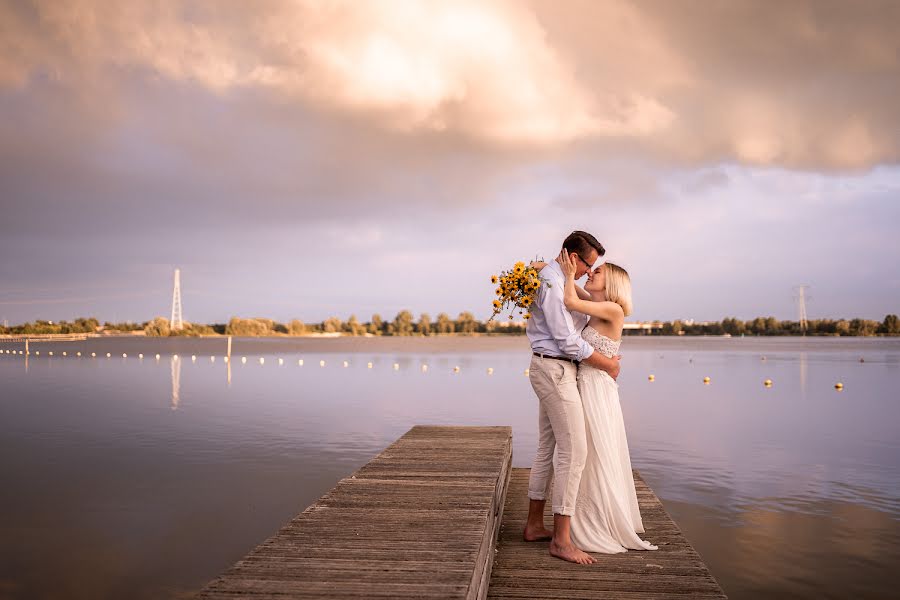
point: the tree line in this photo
(406, 324)
(890, 325)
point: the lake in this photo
(145, 478)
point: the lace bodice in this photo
(600, 342)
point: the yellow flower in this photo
(493, 279)
(497, 304)
(526, 301)
(526, 316)
(498, 291)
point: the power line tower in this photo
(176, 322)
(801, 297)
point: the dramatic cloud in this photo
(802, 84)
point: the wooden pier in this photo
(418, 521)
(440, 514)
(526, 570)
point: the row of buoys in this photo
(396, 366)
(262, 360)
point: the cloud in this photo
(807, 85)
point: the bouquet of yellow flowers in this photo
(518, 289)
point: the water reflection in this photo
(803, 374)
(176, 381)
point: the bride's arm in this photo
(540, 264)
(608, 311)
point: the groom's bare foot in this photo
(571, 554)
(537, 534)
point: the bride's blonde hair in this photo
(618, 287)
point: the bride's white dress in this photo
(607, 518)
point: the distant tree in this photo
(249, 327)
(444, 325)
(465, 323)
(354, 327)
(890, 325)
(158, 327)
(842, 327)
(423, 327)
(296, 327)
(332, 325)
(376, 325)
(193, 330)
(733, 326)
(279, 327)
(403, 324)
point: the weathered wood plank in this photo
(420, 520)
(526, 570)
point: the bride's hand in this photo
(567, 264)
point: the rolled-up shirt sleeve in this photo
(562, 325)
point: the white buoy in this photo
(527, 371)
(124, 355)
(175, 356)
(226, 359)
(369, 365)
(456, 369)
(212, 359)
(396, 367)
(280, 361)
(78, 353)
(424, 368)
(651, 377)
(262, 360)
(64, 353)
(141, 356)
(706, 380)
(193, 358)
(300, 362)
(321, 363)
(51, 352)
(38, 353)
(93, 355)
(157, 357)
(767, 383)
(490, 371)
(244, 360)
(346, 364)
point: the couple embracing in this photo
(575, 335)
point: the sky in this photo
(300, 159)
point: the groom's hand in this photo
(616, 365)
(604, 363)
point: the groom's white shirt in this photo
(552, 329)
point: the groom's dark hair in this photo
(581, 242)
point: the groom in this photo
(557, 348)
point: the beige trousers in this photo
(560, 428)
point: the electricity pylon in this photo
(176, 322)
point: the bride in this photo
(607, 518)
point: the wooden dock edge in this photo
(456, 470)
(481, 579)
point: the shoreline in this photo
(447, 344)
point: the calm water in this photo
(129, 478)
